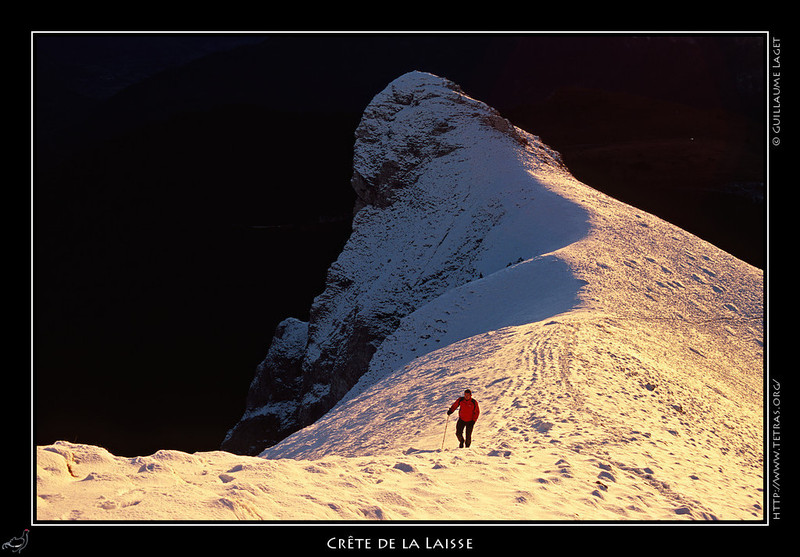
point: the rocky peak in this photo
(427, 199)
(416, 118)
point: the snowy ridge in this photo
(618, 359)
(438, 175)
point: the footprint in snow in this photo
(403, 467)
(606, 476)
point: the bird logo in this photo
(17, 544)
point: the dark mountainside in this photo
(177, 222)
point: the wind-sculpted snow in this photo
(618, 360)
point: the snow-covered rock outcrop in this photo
(437, 175)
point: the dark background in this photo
(190, 191)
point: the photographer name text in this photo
(775, 91)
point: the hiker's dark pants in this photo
(461, 428)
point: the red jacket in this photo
(468, 409)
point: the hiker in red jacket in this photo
(468, 412)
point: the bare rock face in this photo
(414, 237)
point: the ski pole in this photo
(446, 420)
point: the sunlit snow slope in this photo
(617, 359)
